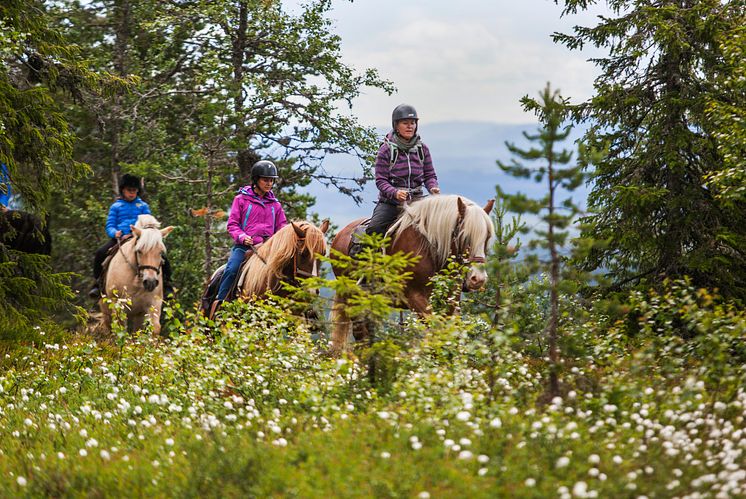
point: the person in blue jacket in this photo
(123, 213)
(5, 190)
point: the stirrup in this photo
(94, 293)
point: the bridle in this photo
(456, 250)
(138, 268)
(297, 271)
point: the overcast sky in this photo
(462, 59)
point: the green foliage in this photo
(249, 405)
(666, 198)
(31, 296)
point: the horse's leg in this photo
(135, 321)
(155, 317)
(106, 315)
(341, 328)
(419, 302)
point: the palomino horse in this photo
(289, 255)
(435, 228)
(134, 272)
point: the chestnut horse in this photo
(289, 255)
(435, 228)
(134, 273)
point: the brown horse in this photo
(134, 272)
(289, 255)
(435, 228)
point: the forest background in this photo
(648, 279)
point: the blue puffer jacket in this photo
(123, 213)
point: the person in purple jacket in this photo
(403, 166)
(255, 216)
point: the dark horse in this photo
(23, 231)
(434, 228)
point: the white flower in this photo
(60, 455)
(105, 455)
(383, 414)
(424, 495)
(21, 481)
(27, 422)
(385, 455)
(83, 452)
(580, 489)
(496, 422)
(562, 462)
(483, 458)
(465, 454)
(530, 482)
(92, 443)
(594, 459)
(463, 416)
(169, 441)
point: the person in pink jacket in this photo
(255, 216)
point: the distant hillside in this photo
(464, 154)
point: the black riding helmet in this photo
(128, 180)
(404, 112)
(263, 168)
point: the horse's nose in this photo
(150, 284)
(476, 280)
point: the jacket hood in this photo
(248, 191)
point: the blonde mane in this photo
(435, 218)
(149, 239)
(277, 251)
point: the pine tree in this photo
(39, 67)
(656, 196)
(556, 216)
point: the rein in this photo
(137, 268)
(456, 250)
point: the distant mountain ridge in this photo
(464, 154)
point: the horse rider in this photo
(123, 213)
(5, 189)
(403, 166)
(255, 216)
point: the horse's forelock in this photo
(277, 251)
(149, 240)
(435, 217)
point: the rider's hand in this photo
(401, 195)
(247, 240)
(118, 234)
(435, 190)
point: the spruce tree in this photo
(556, 216)
(657, 196)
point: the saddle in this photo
(211, 292)
(109, 255)
(358, 234)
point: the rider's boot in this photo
(355, 249)
(214, 308)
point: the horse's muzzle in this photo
(475, 279)
(150, 284)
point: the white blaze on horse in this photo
(435, 228)
(135, 273)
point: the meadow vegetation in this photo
(652, 405)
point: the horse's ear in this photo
(324, 226)
(167, 230)
(137, 232)
(298, 231)
(461, 208)
(489, 205)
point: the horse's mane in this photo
(277, 251)
(435, 218)
(150, 239)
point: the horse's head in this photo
(149, 249)
(474, 231)
(310, 243)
